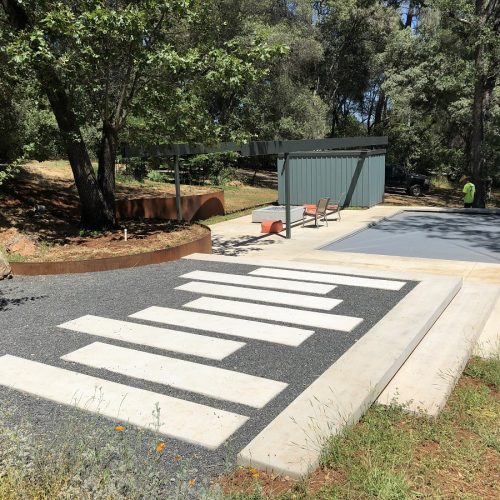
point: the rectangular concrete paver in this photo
(336, 279)
(225, 325)
(428, 376)
(153, 336)
(275, 284)
(184, 420)
(210, 381)
(274, 313)
(259, 295)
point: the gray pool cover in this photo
(452, 236)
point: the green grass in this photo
(16, 257)
(90, 458)
(391, 454)
(238, 198)
(241, 200)
(221, 218)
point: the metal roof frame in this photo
(256, 148)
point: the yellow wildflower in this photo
(191, 482)
(178, 458)
(160, 447)
(254, 472)
(119, 428)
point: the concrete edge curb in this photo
(488, 342)
(291, 444)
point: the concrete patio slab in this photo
(239, 237)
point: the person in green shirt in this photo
(469, 191)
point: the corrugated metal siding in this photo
(314, 176)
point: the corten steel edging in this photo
(193, 207)
(201, 245)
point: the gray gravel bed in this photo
(32, 307)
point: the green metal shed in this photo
(313, 175)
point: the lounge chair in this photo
(319, 210)
(335, 205)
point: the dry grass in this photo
(390, 454)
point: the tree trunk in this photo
(107, 160)
(483, 88)
(95, 213)
(377, 119)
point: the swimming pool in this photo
(433, 235)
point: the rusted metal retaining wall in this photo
(194, 207)
(202, 245)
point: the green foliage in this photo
(218, 168)
(177, 71)
(155, 176)
(8, 171)
(488, 371)
(86, 233)
(136, 168)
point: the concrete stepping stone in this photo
(259, 295)
(336, 279)
(225, 325)
(274, 313)
(210, 381)
(191, 422)
(275, 284)
(153, 336)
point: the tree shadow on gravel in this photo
(7, 303)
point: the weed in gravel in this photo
(89, 460)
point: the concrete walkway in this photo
(241, 237)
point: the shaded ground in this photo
(142, 236)
(41, 204)
(438, 196)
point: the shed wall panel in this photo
(361, 176)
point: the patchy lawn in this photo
(51, 231)
(245, 197)
(390, 454)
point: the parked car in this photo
(414, 184)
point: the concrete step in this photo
(488, 343)
(426, 379)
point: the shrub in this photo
(218, 168)
(155, 176)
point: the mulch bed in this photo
(42, 215)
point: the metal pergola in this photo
(255, 148)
